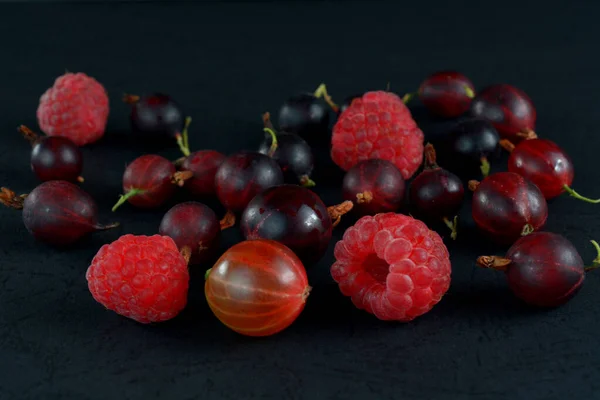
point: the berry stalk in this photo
(321, 92)
(28, 134)
(337, 211)
(576, 195)
(306, 181)
(228, 220)
(124, 197)
(130, 98)
(99, 227)
(595, 261)
(430, 157)
(183, 139)
(10, 199)
(452, 225)
(493, 262)
(273, 147)
(485, 166)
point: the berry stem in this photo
(28, 134)
(180, 177)
(266, 117)
(179, 162)
(595, 261)
(485, 166)
(130, 98)
(388, 86)
(273, 147)
(336, 212)
(306, 181)
(527, 135)
(408, 97)
(469, 92)
(473, 185)
(183, 139)
(186, 253)
(430, 157)
(124, 197)
(306, 293)
(228, 220)
(207, 273)
(322, 92)
(507, 145)
(364, 197)
(493, 262)
(99, 227)
(453, 226)
(10, 199)
(573, 193)
(527, 230)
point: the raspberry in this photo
(392, 266)
(140, 277)
(76, 107)
(377, 125)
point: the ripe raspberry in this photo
(392, 266)
(76, 107)
(377, 125)
(140, 277)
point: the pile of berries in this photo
(389, 263)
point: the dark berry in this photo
(294, 216)
(446, 94)
(195, 226)
(56, 212)
(204, 165)
(508, 108)
(436, 193)
(244, 175)
(507, 206)
(543, 269)
(375, 186)
(54, 157)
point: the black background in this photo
(228, 63)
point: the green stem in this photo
(186, 126)
(573, 193)
(306, 181)
(408, 97)
(485, 166)
(453, 225)
(322, 92)
(273, 147)
(470, 93)
(207, 273)
(527, 230)
(124, 197)
(596, 261)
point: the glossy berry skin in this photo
(545, 269)
(257, 288)
(507, 107)
(152, 174)
(505, 204)
(544, 163)
(292, 215)
(140, 277)
(244, 175)
(375, 186)
(157, 115)
(469, 143)
(447, 94)
(293, 154)
(195, 226)
(204, 164)
(436, 193)
(392, 266)
(305, 115)
(56, 158)
(60, 213)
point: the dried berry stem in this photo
(130, 98)
(364, 197)
(273, 147)
(10, 199)
(306, 293)
(124, 197)
(527, 230)
(99, 227)
(228, 220)
(493, 262)
(322, 92)
(596, 261)
(306, 181)
(180, 177)
(507, 145)
(266, 117)
(336, 212)
(28, 134)
(186, 253)
(527, 135)
(573, 193)
(183, 139)
(430, 157)
(485, 166)
(453, 226)
(80, 179)
(473, 185)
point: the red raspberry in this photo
(140, 277)
(377, 125)
(392, 266)
(76, 107)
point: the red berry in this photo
(446, 94)
(257, 288)
(54, 158)
(544, 163)
(75, 107)
(375, 186)
(508, 108)
(144, 278)
(377, 125)
(244, 175)
(392, 266)
(56, 212)
(204, 165)
(507, 206)
(543, 269)
(149, 181)
(195, 226)
(294, 216)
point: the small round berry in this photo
(204, 165)
(447, 94)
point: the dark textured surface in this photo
(227, 64)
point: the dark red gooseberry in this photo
(436, 193)
(375, 186)
(195, 226)
(149, 181)
(54, 157)
(508, 108)
(507, 206)
(544, 163)
(204, 165)
(446, 94)
(244, 175)
(294, 216)
(543, 269)
(56, 212)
